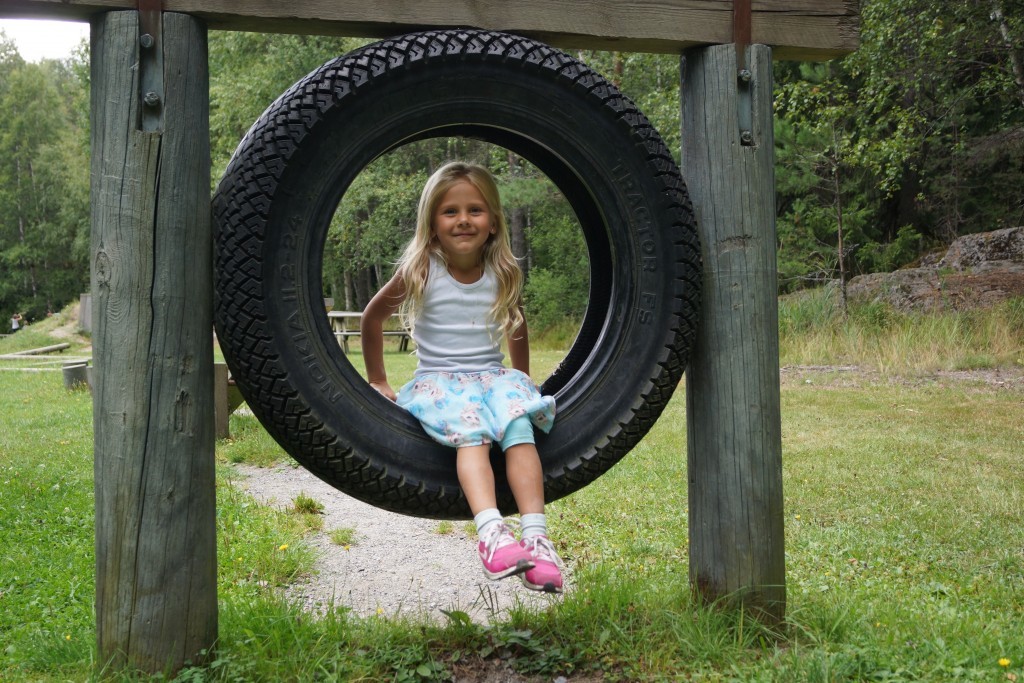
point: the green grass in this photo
(46, 513)
(250, 443)
(46, 509)
(307, 505)
(309, 511)
(344, 536)
(904, 504)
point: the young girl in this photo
(458, 286)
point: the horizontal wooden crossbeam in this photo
(796, 29)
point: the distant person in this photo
(17, 322)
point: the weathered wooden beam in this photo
(152, 288)
(226, 397)
(734, 440)
(796, 29)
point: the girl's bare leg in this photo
(473, 465)
(525, 477)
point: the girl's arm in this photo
(371, 333)
(519, 347)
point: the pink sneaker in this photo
(501, 554)
(545, 575)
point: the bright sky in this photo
(37, 39)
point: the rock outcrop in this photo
(976, 271)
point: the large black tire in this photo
(274, 204)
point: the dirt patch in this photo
(499, 671)
(840, 376)
(67, 324)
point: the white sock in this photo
(485, 519)
(534, 524)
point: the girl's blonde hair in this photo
(414, 265)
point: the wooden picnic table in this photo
(345, 324)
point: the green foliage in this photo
(882, 257)
(651, 81)
(943, 75)
(916, 138)
(807, 311)
(825, 227)
(374, 220)
(558, 285)
(44, 185)
(543, 305)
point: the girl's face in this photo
(462, 223)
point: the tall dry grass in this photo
(814, 331)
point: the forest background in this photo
(881, 157)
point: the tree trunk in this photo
(27, 264)
(364, 289)
(1016, 55)
(517, 231)
(838, 204)
(350, 293)
(617, 69)
(517, 220)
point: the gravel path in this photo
(396, 565)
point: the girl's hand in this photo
(385, 390)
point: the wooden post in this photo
(734, 438)
(222, 410)
(152, 283)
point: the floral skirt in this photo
(474, 408)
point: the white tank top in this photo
(454, 331)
